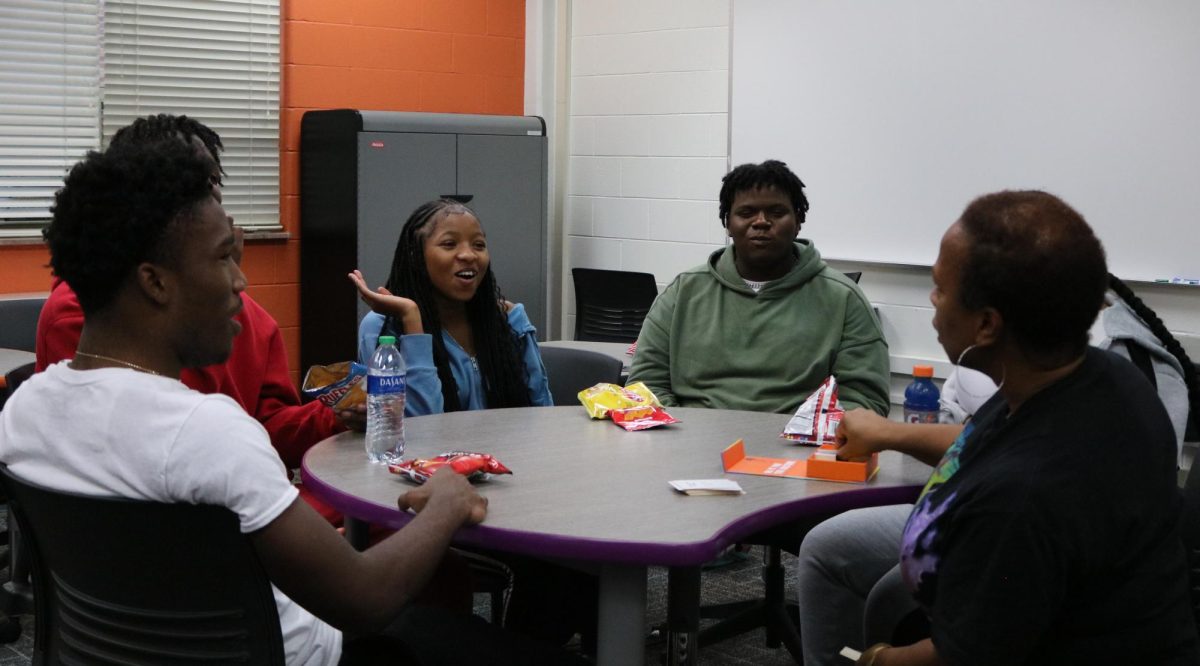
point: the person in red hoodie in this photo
(256, 373)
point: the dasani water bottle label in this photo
(378, 384)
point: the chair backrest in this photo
(13, 379)
(572, 370)
(18, 322)
(854, 275)
(132, 582)
(610, 305)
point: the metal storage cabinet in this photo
(363, 172)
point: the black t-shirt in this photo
(1051, 536)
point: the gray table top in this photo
(588, 490)
(14, 358)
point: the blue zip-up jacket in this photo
(424, 393)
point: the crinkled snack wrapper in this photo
(816, 421)
(640, 418)
(338, 386)
(474, 466)
(632, 407)
(602, 398)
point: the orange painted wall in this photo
(448, 56)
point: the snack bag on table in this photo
(816, 421)
(474, 466)
(632, 407)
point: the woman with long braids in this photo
(1134, 331)
(465, 346)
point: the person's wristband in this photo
(869, 655)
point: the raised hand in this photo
(385, 303)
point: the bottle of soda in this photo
(385, 402)
(921, 398)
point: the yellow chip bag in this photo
(602, 398)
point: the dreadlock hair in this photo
(769, 174)
(164, 125)
(116, 210)
(505, 380)
(1156, 326)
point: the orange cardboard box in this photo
(734, 460)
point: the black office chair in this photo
(610, 305)
(16, 594)
(19, 316)
(131, 582)
(572, 370)
(13, 379)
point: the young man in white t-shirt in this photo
(148, 249)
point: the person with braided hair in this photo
(466, 347)
(1134, 331)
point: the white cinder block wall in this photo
(648, 118)
(649, 121)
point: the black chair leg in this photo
(16, 595)
(497, 597)
(10, 629)
(772, 613)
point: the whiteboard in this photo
(896, 114)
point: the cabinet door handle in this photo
(460, 198)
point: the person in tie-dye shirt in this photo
(1048, 533)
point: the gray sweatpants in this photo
(849, 567)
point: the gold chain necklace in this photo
(127, 364)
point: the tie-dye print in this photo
(918, 557)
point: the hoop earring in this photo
(964, 354)
(1003, 371)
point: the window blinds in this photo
(216, 61)
(49, 107)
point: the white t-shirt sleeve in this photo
(224, 457)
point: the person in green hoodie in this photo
(765, 321)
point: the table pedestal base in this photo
(622, 632)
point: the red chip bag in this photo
(640, 418)
(474, 466)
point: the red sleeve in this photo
(293, 427)
(59, 326)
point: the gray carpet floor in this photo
(736, 581)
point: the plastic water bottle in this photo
(921, 398)
(385, 402)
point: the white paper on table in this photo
(707, 487)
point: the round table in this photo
(587, 491)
